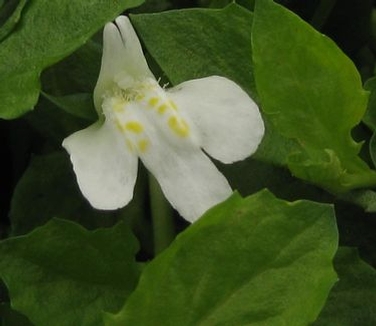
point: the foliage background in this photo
(31, 153)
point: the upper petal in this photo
(122, 57)
(226, 118)
(106, 171)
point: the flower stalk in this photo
(162, 216)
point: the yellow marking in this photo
(178, 126)
(153, 101)
(134, 126)
(129, 145)
(162, 108)
(143, 145)
(173, 105)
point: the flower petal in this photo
(227, 119)
(106, 171)
(122, 56)
(189, 180)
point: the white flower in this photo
(165, 128)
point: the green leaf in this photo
(50, 30)
(252, 175)
(49, 189)
(370, 116)
(372, 148)
(222, 3)
(61, 274)
(353, 299)
(54, 124)
(313, 94)
(11, 13)
(77, 73)
(10, 317)
(274, 147)
(80, 105)
(364, 198)
(196, 43)
(252, 261)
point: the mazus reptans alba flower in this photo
(166, 128)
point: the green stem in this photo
(162, 217)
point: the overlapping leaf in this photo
(47, 32)
(191, 43)
(63, 275)
(312, 93)
(253, 261)
(10, 14)
(353, 299)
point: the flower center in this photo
(134, 105)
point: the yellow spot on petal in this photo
(134, 126)
(162, 108)
(178, 126)
(153, 101)
(143, 145)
